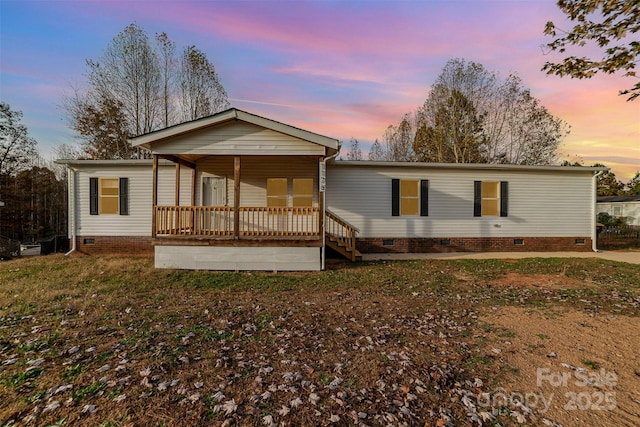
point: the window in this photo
(109, 196)
(277, 192)
(303, 192)
(409, 197)
(617, 211)
(490, 198)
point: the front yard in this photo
(111, 341)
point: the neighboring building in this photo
(236, 191)
(621, 206)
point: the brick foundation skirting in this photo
(473, 244)
(144, 246)
(135, 245)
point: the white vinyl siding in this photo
(138, 220)
(238, 138)
(541, 203)
(254, 171)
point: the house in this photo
(236, 191)
(621, 206)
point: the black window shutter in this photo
(93, 196)
(124, 196)
(504, 198)
(424, 197)
(395, 197)
(477, 198)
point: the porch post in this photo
(193, 187)
(178, 184)
(154, 198)
(322, 183)
(236, 197)
(179, 223)
(321, 188)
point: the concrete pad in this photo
(632, 257)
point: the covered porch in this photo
(248, 194)
(225, 202)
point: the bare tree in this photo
(396, 145)
(379, 152)
(202, 92)
(354, 153)
(167, 62)
(133, 88)
(128, 72)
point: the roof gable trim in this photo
(233, 114)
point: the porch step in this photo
(342, 248)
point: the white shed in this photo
(621, 206)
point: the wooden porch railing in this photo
(341, 234)
(253, 221)
(281, 221)
(194, 220)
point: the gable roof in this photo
(229, 115)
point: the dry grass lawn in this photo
(111, 341)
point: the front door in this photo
(214, 191)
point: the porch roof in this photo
(198, 138)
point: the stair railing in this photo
(343, 232)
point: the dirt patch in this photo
(547, 281)
(568, 366)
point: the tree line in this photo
(32, 190)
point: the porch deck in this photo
(184, 226)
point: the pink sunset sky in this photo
(339, 68)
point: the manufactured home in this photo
(236, 191)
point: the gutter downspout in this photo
(594, 204)
(71, 181)
(324, 205)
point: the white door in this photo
(214, 191)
